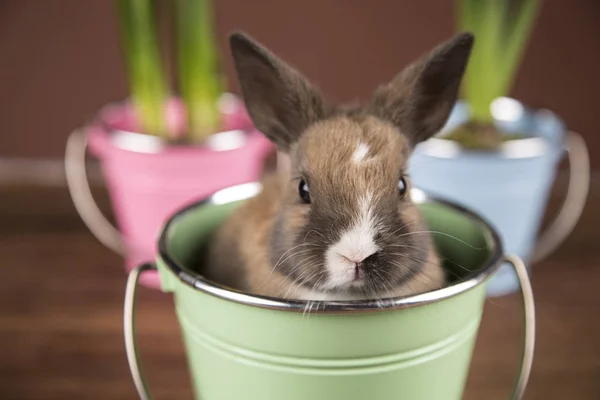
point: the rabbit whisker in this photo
(315, 231)
(280, 262)
(408, 246)
(432, 263)
(403, 226)
(297, 284)
(443, 234)
(301, 263)
(288, 250)
(403, 267)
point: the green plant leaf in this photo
(200, 80)
(518, 35)
(470, 18)
(501, 33)
(147, 83)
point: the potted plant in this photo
(160, 150)
(497, 156)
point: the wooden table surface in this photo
(61, 297)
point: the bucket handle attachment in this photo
(568, 216)
(129, 330)
(81, 194)
(526, 355)
(528, 326)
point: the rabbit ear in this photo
(280, 101)
(419, 99)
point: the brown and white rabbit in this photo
(339, 224)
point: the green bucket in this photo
(244, 347)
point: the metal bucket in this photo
(509, 187)
(248, 347)
(148, 178)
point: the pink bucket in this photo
(149, 179)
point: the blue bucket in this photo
(509, 187)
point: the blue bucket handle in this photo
(572, 208)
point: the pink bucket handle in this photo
(81, 193)
(84, 202)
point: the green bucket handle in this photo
(526, 356)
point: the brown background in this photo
(61, 291)
(61, 59)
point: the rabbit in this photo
(338, 224)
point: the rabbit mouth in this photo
(357, 285)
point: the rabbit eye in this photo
(402, 186)
(304, 192)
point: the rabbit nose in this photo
(357, 259)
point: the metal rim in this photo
(143, 143)
(198, 282)
(514, 149)
(527, 147)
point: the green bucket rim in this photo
(247, 190)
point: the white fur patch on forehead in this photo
(356, 244)
(360, 153)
